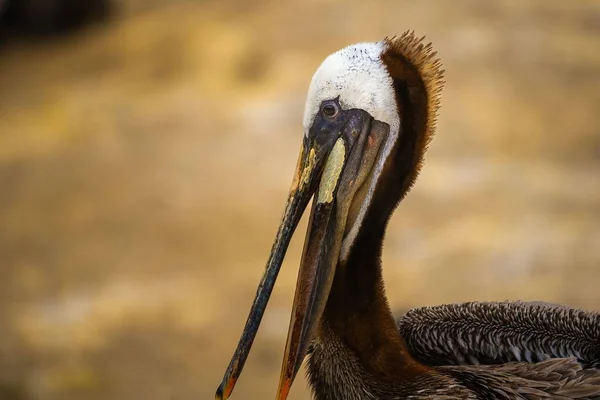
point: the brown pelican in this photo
(369, 116)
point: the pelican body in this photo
(369, 115)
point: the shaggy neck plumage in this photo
(357, 310)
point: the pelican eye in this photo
(330, 110)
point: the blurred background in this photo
(146, 149)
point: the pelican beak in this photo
(313, 155)
(336, 157)
(348, 167)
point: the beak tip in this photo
(284, 389)
(224, 390)
(219, 394)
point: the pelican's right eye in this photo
(330, 109)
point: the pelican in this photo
(369, 115)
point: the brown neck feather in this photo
(357, 310)
(358, 313)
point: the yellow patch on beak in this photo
(332, 171)
(308, 169)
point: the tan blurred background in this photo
(144, 162)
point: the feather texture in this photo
(495, 333)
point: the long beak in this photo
(349, 166)
(312, 158)
(337, 157)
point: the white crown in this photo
(358, 76)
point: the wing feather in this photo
(488, 333)
(562, 378)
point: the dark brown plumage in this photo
(496, 333)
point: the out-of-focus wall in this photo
(144, 164)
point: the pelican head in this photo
(369, 114)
